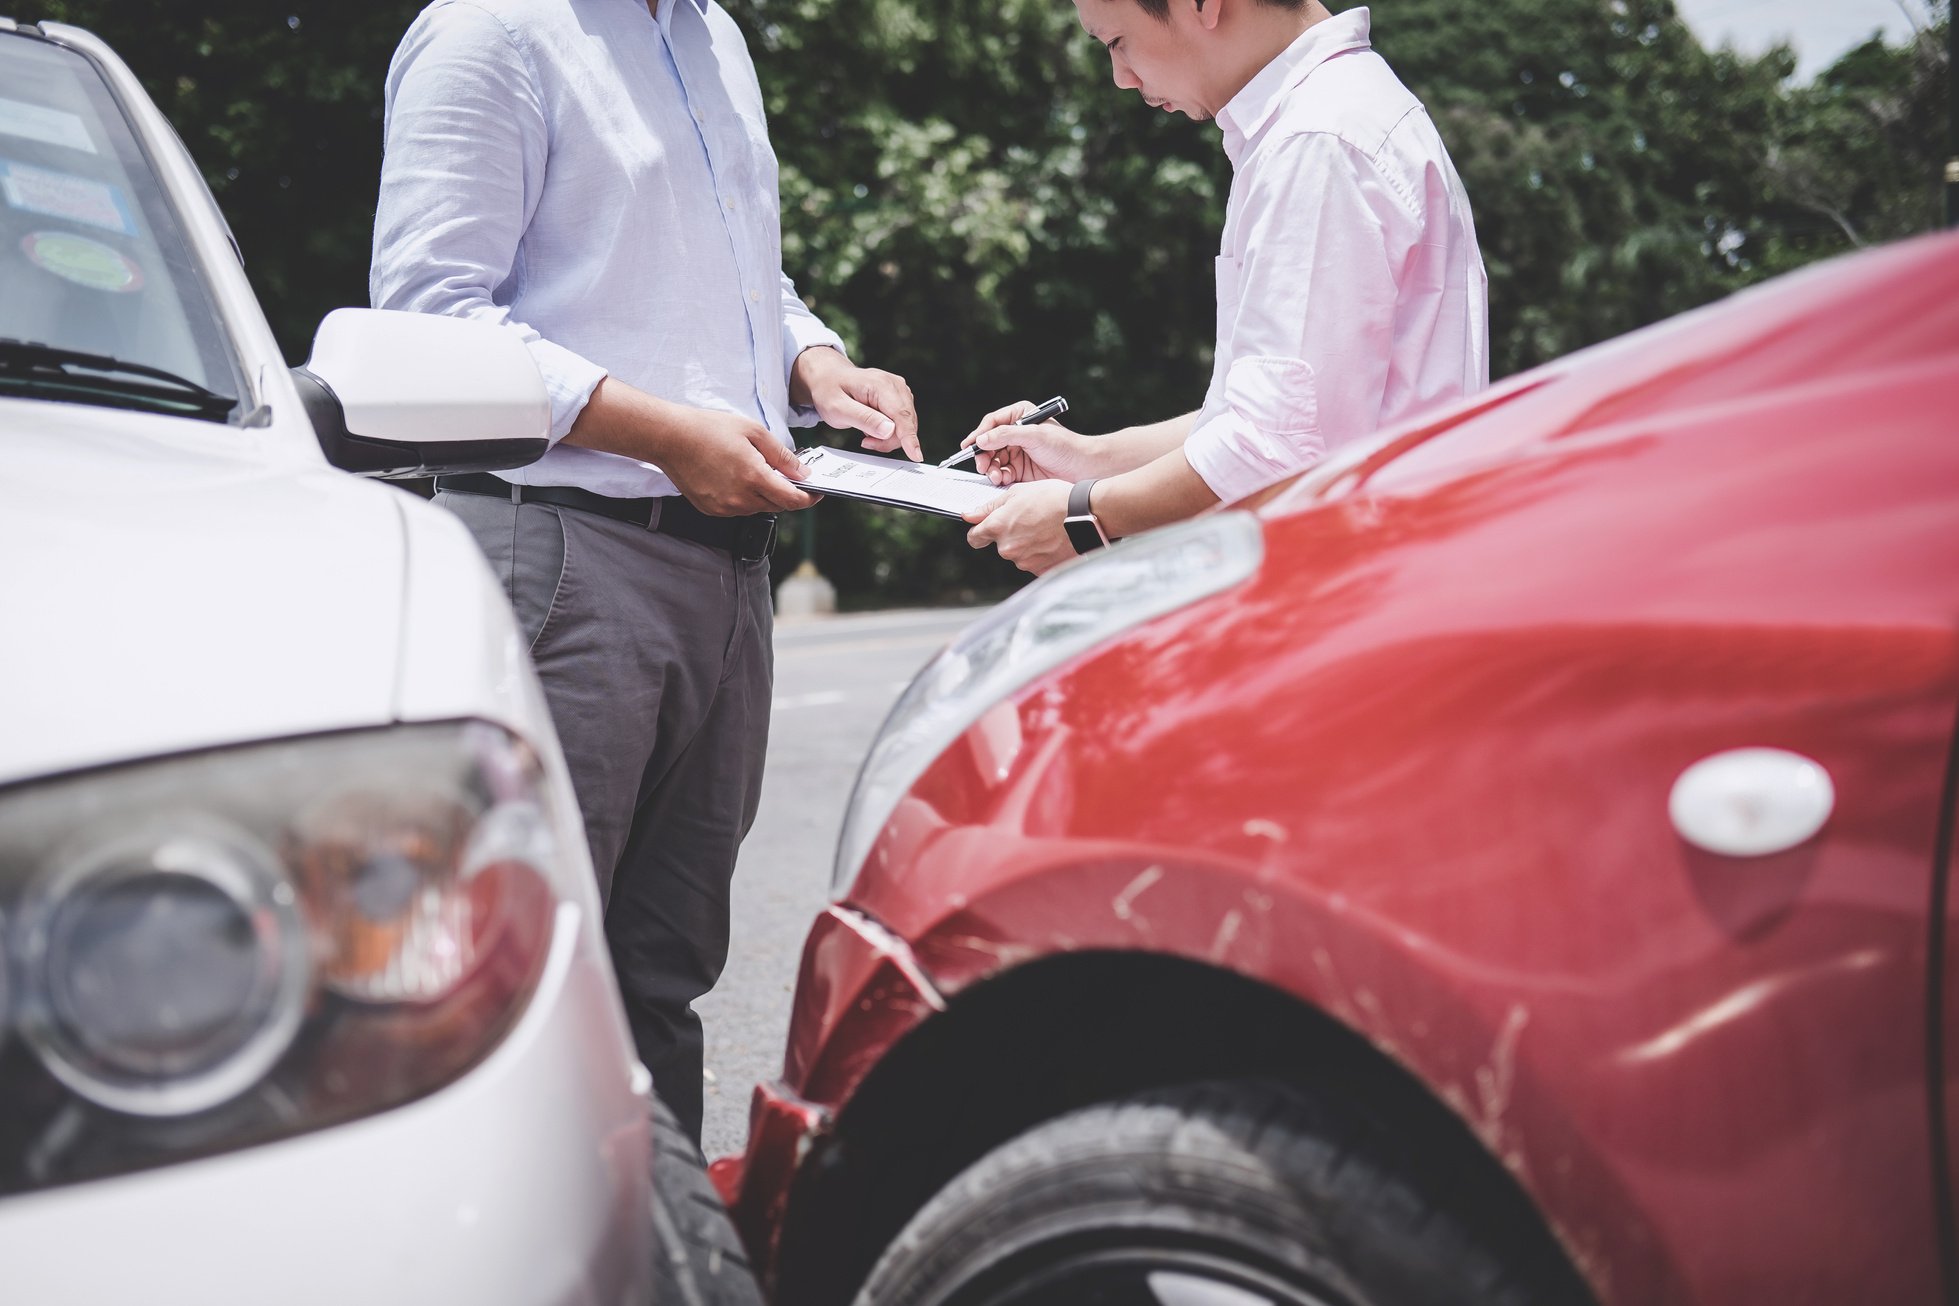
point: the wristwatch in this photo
(1084, 532)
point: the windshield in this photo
(92, 259)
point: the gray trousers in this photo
(656, 659)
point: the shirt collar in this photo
(1246, 115)
(665, 14)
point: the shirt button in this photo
(731, 206)
(754, 296)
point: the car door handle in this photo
(1750, 802)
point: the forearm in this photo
(1135, 447)
(620, 419)
(1160, 492)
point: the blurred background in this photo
(968, 200)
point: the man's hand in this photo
(849, 397)
(729, 466)
(1011, 455)
(1026, 524)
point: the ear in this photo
(1208, 13)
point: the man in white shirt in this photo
(1351, 293)
(597, 175)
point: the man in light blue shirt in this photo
(597, 175)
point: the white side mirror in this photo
(397, 394)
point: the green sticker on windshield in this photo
(83, 261)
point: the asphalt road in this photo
(835, 678)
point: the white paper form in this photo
(896, 481)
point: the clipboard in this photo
(895, 482)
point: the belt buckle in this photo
(757, 538)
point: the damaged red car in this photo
(1506, 865)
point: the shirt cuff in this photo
(569, 379)
(1264, 429)
(799, 334)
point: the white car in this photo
(305, 996)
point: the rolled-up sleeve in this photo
(466, 144)
(802, 329)
(1311, 332)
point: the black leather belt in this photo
(749, 538)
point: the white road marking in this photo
(885, 693)
(923, 641)
(820, 698)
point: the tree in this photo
(1857, 155)
(1611, 160)
(969, 201)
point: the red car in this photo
(1507, 865)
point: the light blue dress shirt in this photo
(601, 180)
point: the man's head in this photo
(1192, 56)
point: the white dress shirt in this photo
(1350, 289)
(601, 180)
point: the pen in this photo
(1046, 412)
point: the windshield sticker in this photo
(62, 195)
(37, 122)
(84, 261)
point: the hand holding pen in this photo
(1022, 443)
(1008, 416)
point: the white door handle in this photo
(1750, 802)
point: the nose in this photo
(1126, 78)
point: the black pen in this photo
(1048, 411)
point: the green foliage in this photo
(1622, 173)
(1856, 156)
(970, 202)
(1611, 160)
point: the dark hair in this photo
(1160, 9)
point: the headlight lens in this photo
(167, 968)
(1056, 618)
(220, 949)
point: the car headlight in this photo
(1058, 617)
(215, 950)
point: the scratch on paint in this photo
(1734, 1006)
(1258, 902)
(1495, 1080)
(1125, 901)
(1272, 830)
(1227, 934)
(1377, 1021)
(1587, 1258)
(1336, 992)
(896, 951)
(1005, 954)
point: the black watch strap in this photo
(1084, 532)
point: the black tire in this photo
(697, 1258)
(1183, 1195)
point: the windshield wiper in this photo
(124, 384)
